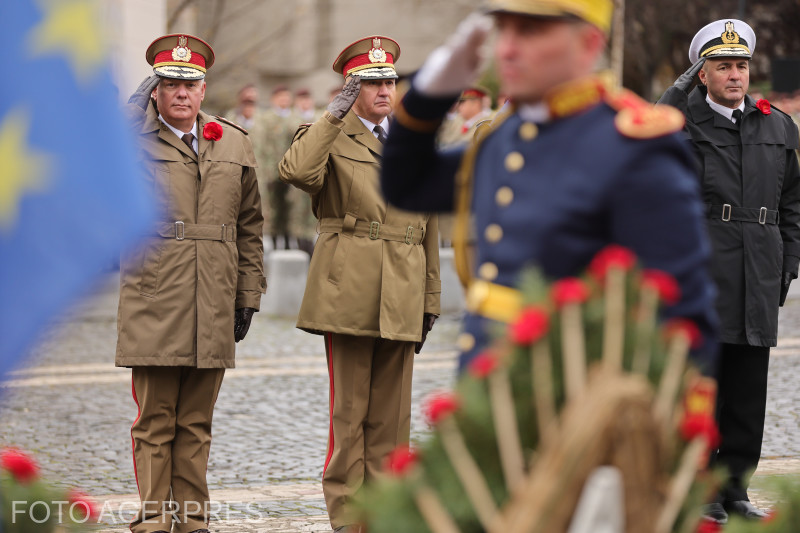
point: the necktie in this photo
(381, 134)
(737, 114)
(188, 138)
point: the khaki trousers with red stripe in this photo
(370, 404)
(171, 441)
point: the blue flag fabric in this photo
(71, 193)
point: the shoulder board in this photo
(639, 119)
(229, 123)
(301, 131)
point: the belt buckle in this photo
(762, 216)
(224, 233)
(374, 230)
(180, 230)
(409, 234)
(726, 212)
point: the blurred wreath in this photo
(30, 504)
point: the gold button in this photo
(488, 271)
(465, 342)
(528, 131)
(504, 196)
(514, 161)
(493, 233)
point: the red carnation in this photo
(483, 364)
(400, 460)
(81, 501)
(613, 255)
(686, 327)
(440, 406)
(708, 526)
(664, 284)
(21, 466)
(569, 291)
(531, 325)
(764, 106)
(212, 131)
(772, 515)
(700, 425)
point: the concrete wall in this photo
(131, 26)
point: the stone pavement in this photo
(72, 409)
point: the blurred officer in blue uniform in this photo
(750, 183)
(570, 167)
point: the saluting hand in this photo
(241, 322)
(343, 101)
(455, 65)
(684, 81)
(141, 96)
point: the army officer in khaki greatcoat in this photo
(190, 292)
(373, 285)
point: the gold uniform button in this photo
(514, 162)
(465, 342)
(488, 271)
(504, 196)
(493, 233)
(528, 131)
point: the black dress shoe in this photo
(715, 512)
(746, 509)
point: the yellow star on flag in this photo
(22, 170)
(71, 27)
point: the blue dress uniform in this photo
(606, 167)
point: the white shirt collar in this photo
(371, 125)
(179, 134)
(539, 113)
(726, 112)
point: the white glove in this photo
(455, 65)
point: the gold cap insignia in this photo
(729, 36)
(182, 52)
(377, 54)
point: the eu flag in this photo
(71, 196)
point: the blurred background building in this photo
(294, 42)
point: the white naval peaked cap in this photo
(723, 38)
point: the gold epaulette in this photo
(639, 119)
(230, 123)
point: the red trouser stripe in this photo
(330, 430)
(133, 444)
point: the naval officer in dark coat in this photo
(750, 185)
(571, 167)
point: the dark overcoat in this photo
(751, 167)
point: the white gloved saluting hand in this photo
(456, 64)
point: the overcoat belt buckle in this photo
(224, 234)
(726, 212)
(180, 230)
(762, 215)
(409, 234)
(374, 230)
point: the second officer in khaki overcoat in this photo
(373, 286)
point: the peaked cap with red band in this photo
(371, 58)
(180, 56)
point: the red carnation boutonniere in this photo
(764, 106)
(212, 131)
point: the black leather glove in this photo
(427, 324)
(684, 81)
(141, 95)
(343, 101)
(786, 281)
(241, 322)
